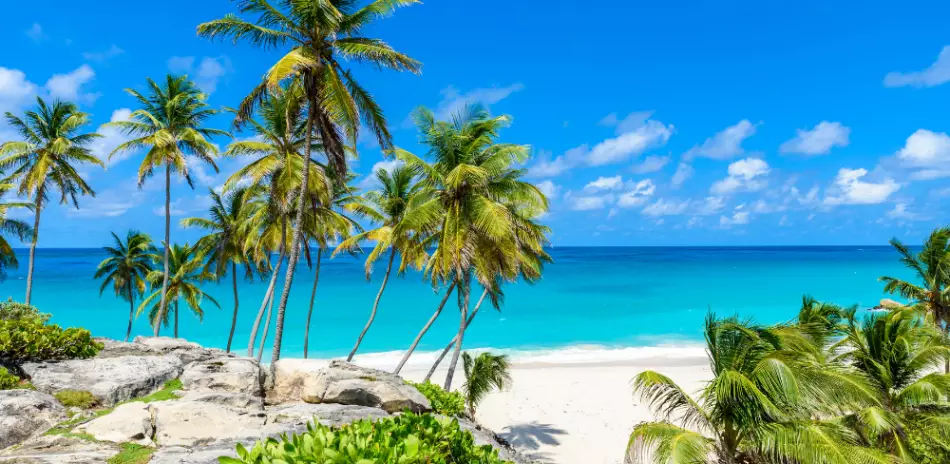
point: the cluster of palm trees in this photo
(461, 213)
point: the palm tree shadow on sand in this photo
(530, 436)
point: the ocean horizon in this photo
(593, 303)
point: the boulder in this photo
(224, 374)
(111, 380)
(27, 413)
(187, 352)
(294, 417)
(197, 455)
(292, 377)
(484, 436)
(235, 400)
(888, 303)
(130, 422)
(191, 423)
(345, 383)
(59, 449)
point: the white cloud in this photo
(638, 195)
(548, 189)
(105, 55)
(725, 144)
(711, 205)
(743, 175)
(628, 124)
(197, 170)
(650, 164)
(849, 189)
(902, 213)
(111, 138)
(208, 72)
(36, 33)
(114, 201)
(683, 172)
(605, 183)
(927, 152)
(936, 74)
(588, 202)
(738, 218)
(664, 207)
(185, 205)
(69, 86)
(819, 140)
(15, 89)
(370, 181)
(453, 100)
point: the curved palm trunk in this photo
(36, 236)
(267, 297)
(234, 317)
(270, 312)
(128, 332)
(372, 315)
(313, 295)
(464, 290)
(425, 329)
(168, 227)
(448, 347)
(176, 318)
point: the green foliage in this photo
(132, 454)
(12, 310)
(8, 381)
(166, 393)
(78, 398)
(403, 439)
(483, 374)
(927, 446)
(442, 402)
(30, 339)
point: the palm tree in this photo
(170, 123)
(127, 267)
(822, 322)
(225, 244)
(19, 229)
(472, 188)
(483, 373)
(45, 161)
(931, 267)
(899, 352)
(388, 207)
(318, 33)
(188, 271)
(759, 407)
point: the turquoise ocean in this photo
(589, 298)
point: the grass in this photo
(166, 393)
(132, 454)
(78, 398)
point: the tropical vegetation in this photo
(127, 267)
(450, 404)
(483, 373)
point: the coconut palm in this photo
(46, 161)
(188, 271)
(224, 246)
(760, 406)
(317, 34)
(821, 322)
(471, 188)
(483, 373)
(19, 229)
(171, 124)
(931, 267)
(127, 267)
(387, 206)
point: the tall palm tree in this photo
(387, 206)
(46, 160)
(19, 229)
(473, 186)
(931, 267)
(759, 407)
(188, 271)
(170, 123)
(483, 373)
(228, 227)
(317, 33)
(127, 267)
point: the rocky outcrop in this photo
(59, 449)
(130, 422)
(292, 377)
(111, 380)
(345, 383)
(294, 417)
(191, 423)
(484, 436)
(26, 413)
(187, 352)
(224, 374)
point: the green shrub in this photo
(132, 454)
(442, 402)
(11, 310)
(78, 398)
(403, 439)
(926, 445)
(8, 381)
(30, 339)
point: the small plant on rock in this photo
(76, 398)
(442, 402)
(8, 381)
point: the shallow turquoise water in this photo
(615, 297)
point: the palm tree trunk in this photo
(176, 318)
(267, 297)
(313, 295)
(168, 227)
(448, 347)
(234, 317)
(425, 329)
(372, 315)
(36, 236)
(464, 290)
(128, 332)
(270, 312)
(298, 234)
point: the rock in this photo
(294, 417)
(187, 352)
(130, 422)
(111, 380)
(224, 374)
(190, 423)
(59, 449)
(484, 436)
(346, 383)
(199, 455)
(235, 400)
(888, 303)
(26, 413)
(292, 377)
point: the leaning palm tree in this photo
(10, 226)
(228, 227)
(317, 34)
(127, 267)
(170, 123)
(387, 206)
(931, 267)
(483, 373)
(760, 406)
(46, 161)
(188, 271)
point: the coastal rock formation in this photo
(59, 449)
(25, 413)
(224, 374)
(130, 422)
(292, 377)
(294, 417)
(187, 352)
(111, 380)
(190, 423)
(346, 383)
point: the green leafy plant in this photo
(30, 339)
(77, 398)
(443, 402)
(403, 439)
(8, 381)
(166, 393)
(132, 454)
(483, 374)
(12, 310)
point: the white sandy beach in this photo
(576, 405)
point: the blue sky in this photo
(651, 123)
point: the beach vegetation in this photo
(483, 373)
(11, 227)
(126, 268)
(32, 339)
(187, 273)
(8, 381)
(77, 398)
(931, 269)
(166, 393)
(132, 453)
(12, 310)
(450, 404)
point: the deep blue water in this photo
(604, 296)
